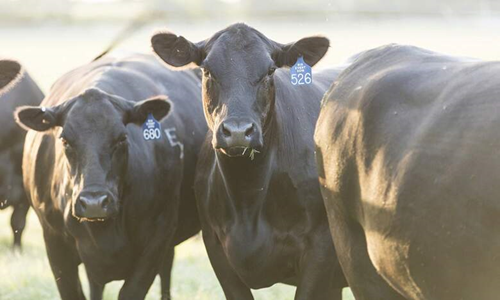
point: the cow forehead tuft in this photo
(239, 36)
(93, 116)
(243, 37)
(93, 103)
(240, 28)
(93, 94)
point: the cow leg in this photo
(233, 287)
(320, 275)
(350, 244)
(327, 294)
(96, 289)
(18, 222)
(147, 267)
(166, 273)
(336, 294)
(64, 261)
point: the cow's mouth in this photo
(234, 151)
(93, 220)
(240, 151)
(93, 216)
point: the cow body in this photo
(262, 215)
(157, 209)
(266, 215)
(407, 142)
(23, 91)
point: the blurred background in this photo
(51, 37)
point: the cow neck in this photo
(246, 181)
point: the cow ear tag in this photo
(151, 129)
(301, 73)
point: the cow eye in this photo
(206, 73)
(121, 141)
(65, 143)
(271, 70)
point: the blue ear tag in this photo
(301, 73)
(151, 129)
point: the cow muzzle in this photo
(94, 206)
(237, 138)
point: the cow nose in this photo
(237, 133)
(92, 205)
(236, 136)
(232, 129)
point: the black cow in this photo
(407, 151)
(16, 89)
(263, 218)
(104, 195)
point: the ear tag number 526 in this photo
(301, 73)
(151, 129)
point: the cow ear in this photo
(158, 106)
(9, 72)
(176, 50)
(311, 48)
(36, 117)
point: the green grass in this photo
(27, 276)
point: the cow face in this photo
(238, 79)
(93, 138)
(10, 71)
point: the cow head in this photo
(10, 71)
(238, 79)
(94, 140)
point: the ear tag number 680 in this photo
(300, 73)
(151, 129)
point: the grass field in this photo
(27, 276)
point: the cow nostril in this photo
(249, 131)
(225, 131)
(105, 202)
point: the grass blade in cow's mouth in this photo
(251, 152)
